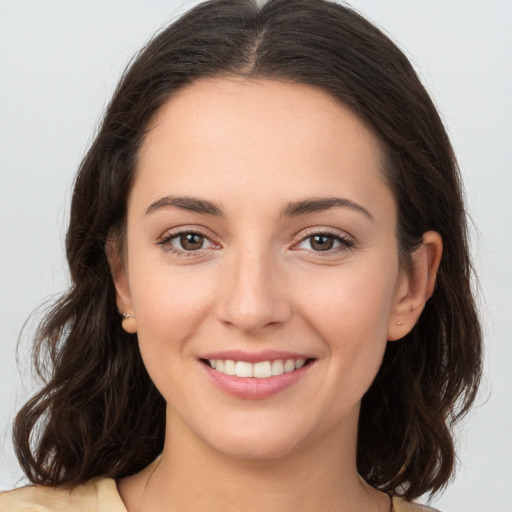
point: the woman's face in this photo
(261, 237)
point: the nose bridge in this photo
(254, 297)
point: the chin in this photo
(257, 442)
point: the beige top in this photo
(100, 495)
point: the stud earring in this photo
(399, 323)
(129, 323)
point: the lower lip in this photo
(252, 388)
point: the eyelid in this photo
(165, 241)
(346, 241)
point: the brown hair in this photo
(99, 413)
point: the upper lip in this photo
(254, 357)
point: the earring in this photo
(399, 323)
(129, 323)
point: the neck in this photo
(193, 476)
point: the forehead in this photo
(244, 135)
(213, 107)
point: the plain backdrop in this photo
(59, 63)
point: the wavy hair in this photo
(98, 412)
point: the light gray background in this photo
(59, 63)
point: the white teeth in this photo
(277, 367)
(289, 366)
(244, 369)
(260, 370)
(229, 367)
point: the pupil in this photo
(322, 242)
(191, 241)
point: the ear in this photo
(416, 286)
(119, 273)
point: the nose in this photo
(254, 295)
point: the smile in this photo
(263, 376)
(259, 370)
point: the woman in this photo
(271, 306)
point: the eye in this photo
(325, 242)
(321, 242)
(186, 243)
(189, 241)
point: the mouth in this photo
(258, 375)
(258, 370)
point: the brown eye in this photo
(325, 242)
(191, 241)
(187, 243)
(321, 242)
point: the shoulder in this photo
(96, 495)
(400, 505)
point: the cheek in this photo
(352, 300)
(349, 311)
(170, 308)
(170, 304)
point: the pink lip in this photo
(254, 357)
(252, 388)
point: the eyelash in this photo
(345, 243)
(166, 243)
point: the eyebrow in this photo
(292, 209)
(313, 205)
(191, 204)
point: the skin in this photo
(251, 147)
